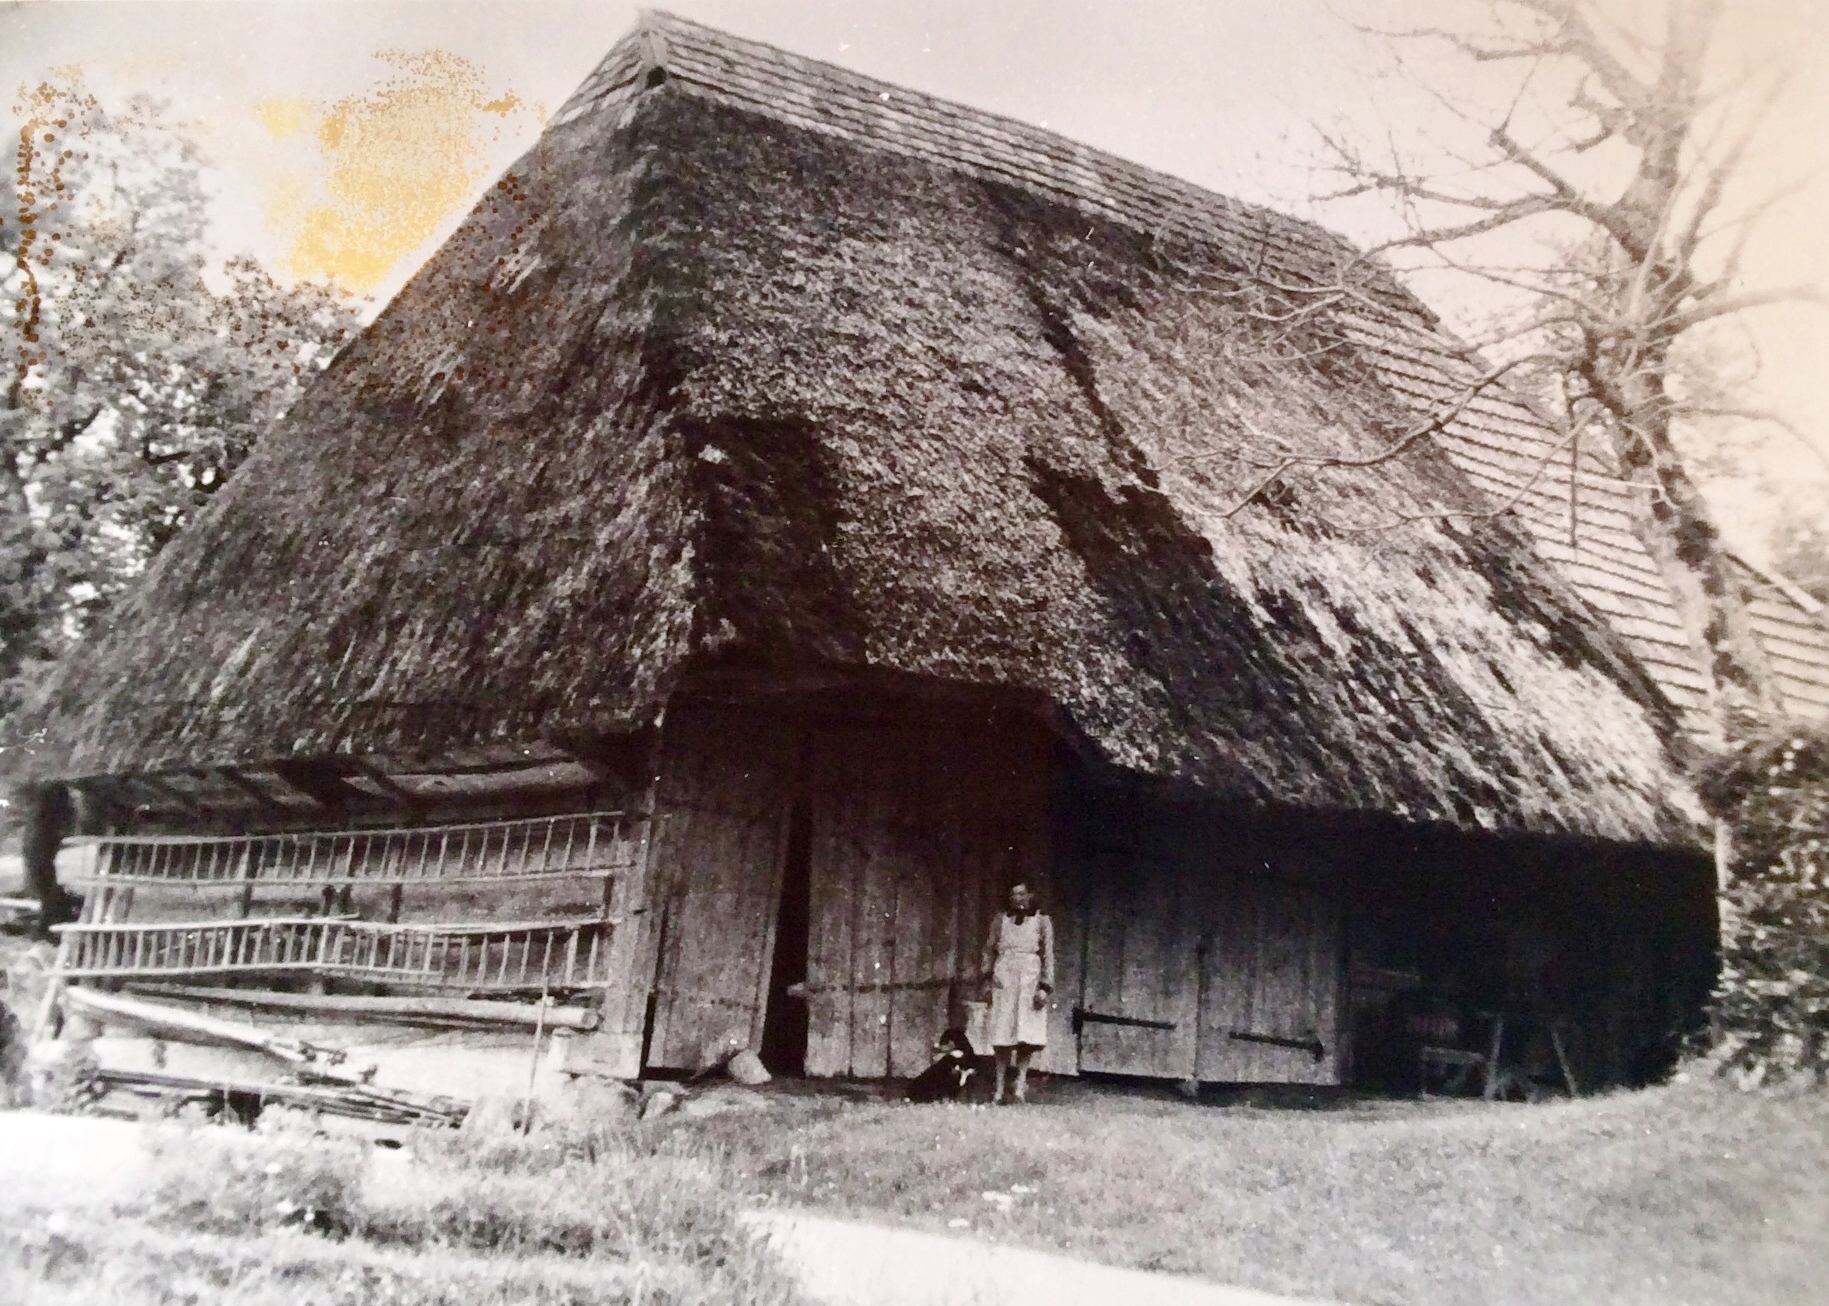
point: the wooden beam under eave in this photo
(109, 807)
(186, 802)
(624, 761)
(407, 800)
(268, 803)
(313, 782)
(602, 772)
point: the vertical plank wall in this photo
(726, 777)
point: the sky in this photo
(348, 137)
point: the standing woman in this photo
(1019, 955)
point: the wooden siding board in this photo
(957, 940)
(1107, 909)
(926, 906)
(1802, 693)
(617, 1045)
(1810, 628)
(1066, 904)
(1809, 660)
(724, 786)
(833, 885)
(871, 936)
(869, 768)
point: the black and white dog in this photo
(953, 1066)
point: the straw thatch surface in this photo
(697, 386)
(1494, 437)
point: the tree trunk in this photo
(1673, 521)
(49, 819)
(1675, 526)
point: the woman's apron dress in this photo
(1023, 953)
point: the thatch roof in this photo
(755, 362)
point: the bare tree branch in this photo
(1569, 77)
(1396, 449)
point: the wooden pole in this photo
(533, 1066)
(49, 817)
(323, 1062)
(47, 1010)
(445, 1011)
(1562, 1058)
(1190, 1088)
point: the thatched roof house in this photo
(765, 419)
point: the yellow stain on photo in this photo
(383, 169)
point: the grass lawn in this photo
(1688, 1193)
(598, 1218)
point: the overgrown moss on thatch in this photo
(695, 385)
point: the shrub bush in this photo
(1770, 1019)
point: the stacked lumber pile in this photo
(284, 1069)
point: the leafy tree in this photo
(1618, 145)
(138, 372)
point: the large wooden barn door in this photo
(1142, 943)
(867, 897)
(918, 821)
(723, 797)
(1270, 984)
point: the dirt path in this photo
(70, 1161)
(74, 1161)
(850, 1263)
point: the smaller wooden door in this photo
(1270, 984)
(722, 801)
(1141, 966)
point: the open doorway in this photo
(784, 1024)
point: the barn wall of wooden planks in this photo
(920, 815)
(1194, 940)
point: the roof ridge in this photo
(654, 25)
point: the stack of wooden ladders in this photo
(411, 917)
